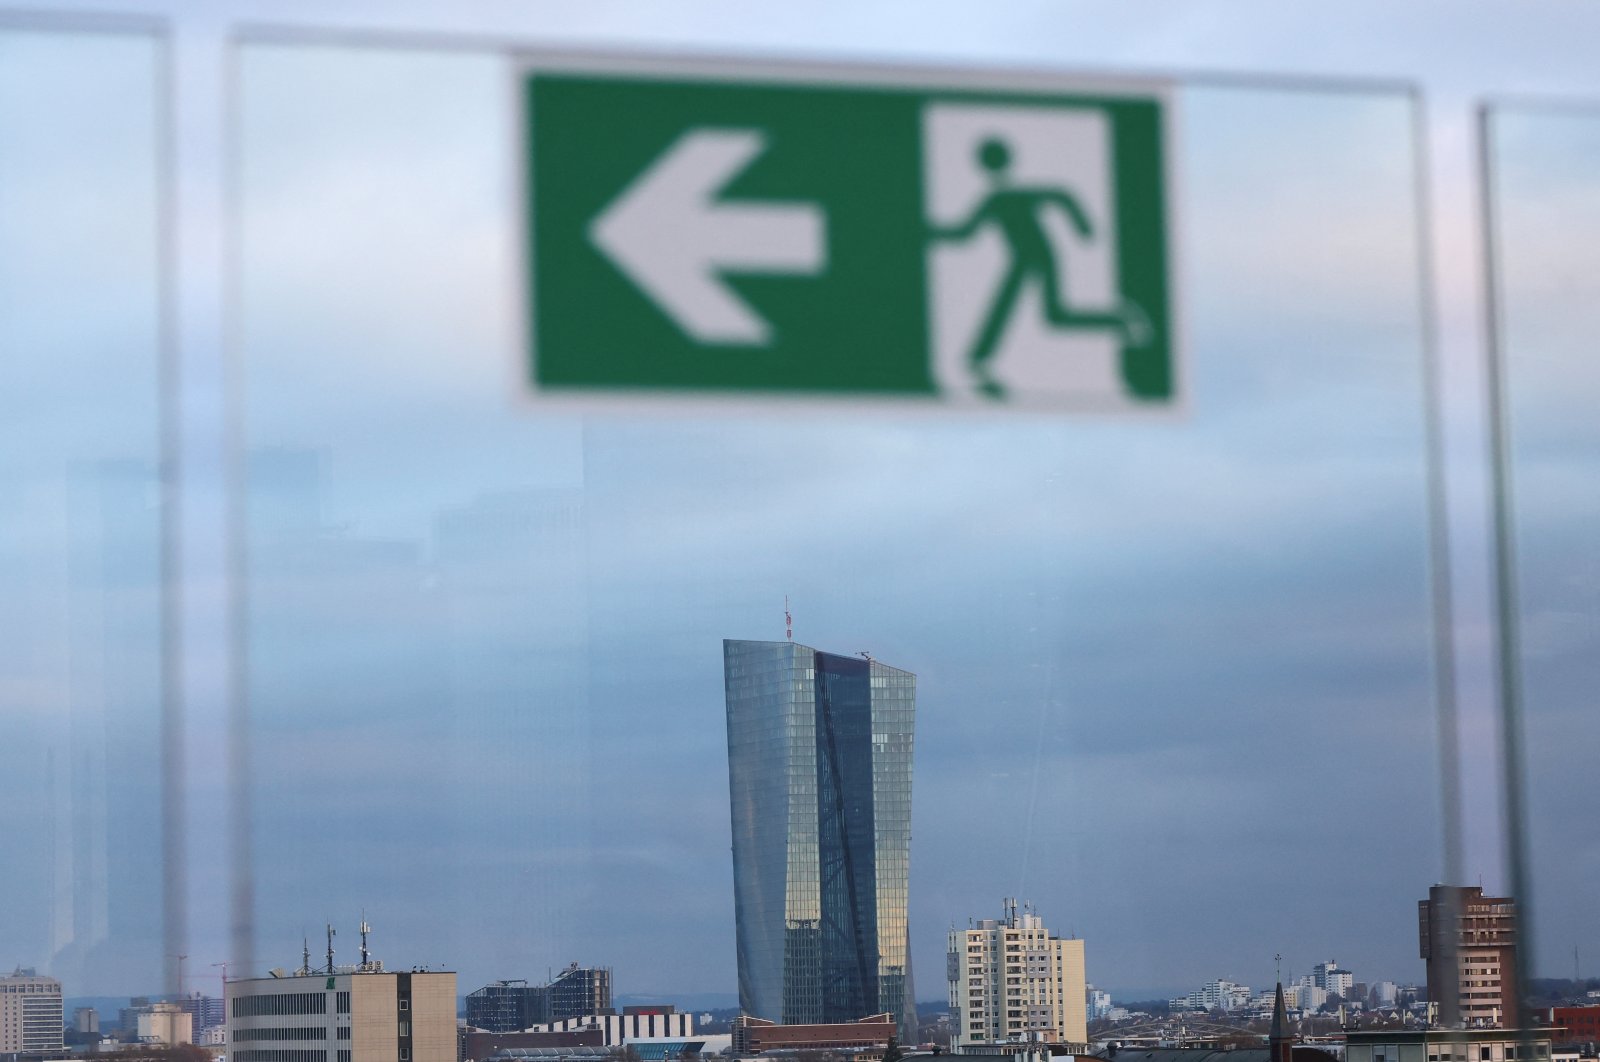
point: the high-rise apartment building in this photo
(580, 990)
(346, 1016)
(1013, 981)
(508, 1006)
(1469, 942)
(1331, 978)
(819, 773)
(30, 1013)
(205, 1010)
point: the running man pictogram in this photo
(1015, 210)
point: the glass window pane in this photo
(1543, 177)
(80, 648)
(1162, 665)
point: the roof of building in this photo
(1302, 1053)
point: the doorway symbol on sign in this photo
(1015, 211)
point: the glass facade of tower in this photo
(819, 766)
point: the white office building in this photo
(1214, 995)
(30, 1013)
(1329, 977)
(1012, 981)
(1097, 1002)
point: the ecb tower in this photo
(819, 771)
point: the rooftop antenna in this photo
(865, 655)
(330, 947)
(305, 957)
(365, 929)
(788, 620)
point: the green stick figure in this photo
(1015, 210)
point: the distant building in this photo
(819, 778)
(352, 1015)
(752, 1035)
(1305, 995)
(1214, 995)
(580, 990)
(30, 1013)
(508, 1006)
(476, 1046)
(644, 1050)
(1574, 1025)
(85, 1020)
(1096, 1002)
(167, 1024)
(1012, 981)
(206, 1011)
(128, 1017)
(1385, 993)
(1329, 977)
(1280, 1046)
(1447, 1045)
(1469, 942)
(634, 1023)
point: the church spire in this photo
(1280, 1042)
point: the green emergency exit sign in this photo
(711, 228)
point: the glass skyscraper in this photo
(819, 772)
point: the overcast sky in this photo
(1174, 676)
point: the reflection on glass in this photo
(1544, 176)
(79, 519)
(1173, 677)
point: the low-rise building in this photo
(477, 1045)
(1447, 1045)
(1574, 1025)
(634, 1023)
(350, 1015)
(752, 1036)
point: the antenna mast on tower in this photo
(330, 947)
(788, 620)
(305, 956)
(365, 929)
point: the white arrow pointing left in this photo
(672, 236)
